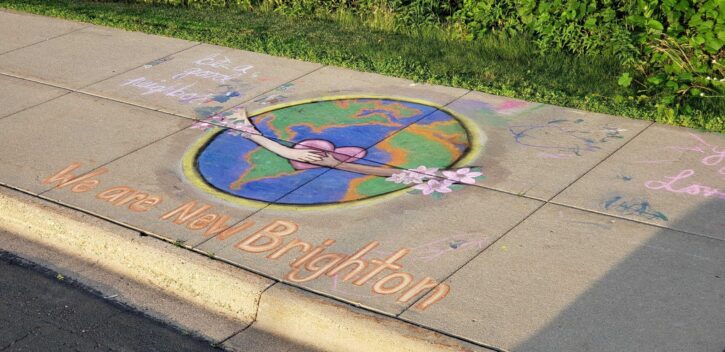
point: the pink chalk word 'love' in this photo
(692, 189)
(343, 154)
(714, 155)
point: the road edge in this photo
(209, 298)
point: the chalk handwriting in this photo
(713, 155)
(640, 208)
(206, 74)
(182, 92)
(307, 261)
(216, 68)
(224, 63)
(670, 184)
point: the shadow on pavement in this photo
(667, 295)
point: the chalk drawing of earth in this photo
(392, 132)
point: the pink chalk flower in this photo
(406, 177)
(417, 175)
(435, 186)
(464, 175)
(425, 171)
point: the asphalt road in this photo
(40, 311)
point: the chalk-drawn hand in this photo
(304, 155)
(328, 160)
(243, 123)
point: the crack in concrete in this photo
(17, 340)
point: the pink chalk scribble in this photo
(436, 249)
(713, 156)
(511, 104)
(656, 161)
(700, 147)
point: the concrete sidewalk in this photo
(543, 228)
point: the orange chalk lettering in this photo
(405, 280)
(185, 212)
(440, 292)
(354, 260)
(202, 222)
(85, 186)
(304, 247)
(329, 259)
(144, 204)
(272, 232)
(65, 177)
(314, 252)
(114, 194)
(388, 263)
(417, 288)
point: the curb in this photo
(211, 299)
(325, 324)
(202, 295)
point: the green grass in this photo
(509, 67)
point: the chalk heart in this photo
(342, 154)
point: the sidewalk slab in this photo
(17, 94)
(517, 274)
(202, 295)
(157, 171)
(523, 148)
(306, 319)
(329, 82)
(87, 56)
(21, 30)
(570, 280)
(309, 320)
(668, 176)
(437, 236)
(39, 142)
(201, 81)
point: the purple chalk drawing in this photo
(561, 137)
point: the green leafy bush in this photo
(680, 47)
(671, 51)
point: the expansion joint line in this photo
(544, 203)
(45, 40)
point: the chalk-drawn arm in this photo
(303, 155)
(329, 161)
(251, 133)
(326, 159)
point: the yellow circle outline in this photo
(476, 140)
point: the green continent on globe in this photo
(393, 134)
